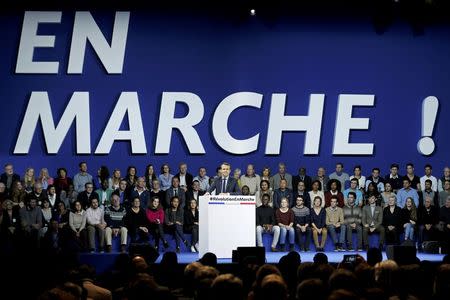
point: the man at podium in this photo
(225, 184)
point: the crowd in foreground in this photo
(134, 278)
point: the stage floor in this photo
(104, 262)
(274, 257)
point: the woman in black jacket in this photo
(191, 224)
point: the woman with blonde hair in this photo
(29, 180)
(45, 178)
(115, 179)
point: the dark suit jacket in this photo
(190, 196)
(232, 186)
(144, 197)
(181, 196)
(189, 179)
(296, 179)
(4, 179)
(85, 200)
(422, 196)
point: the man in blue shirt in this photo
(406, 192)
(354, 188)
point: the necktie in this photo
(175, 191)
(223, 185)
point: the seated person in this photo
(173, 220)
(302, 222)
(155, 217)
(191, 223)
(372, 222)
(334, 190)
(114, 215)
(392, 221)
(285, 219)
(352, 221)
(409, 219)
(265, 222)
(318, 219)
(428, 218)
(136, 222)
(335, 222)
(95, 225)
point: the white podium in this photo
(225, 223)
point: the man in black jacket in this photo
(301, 177)
(428, 218)
(184, 177)
(265, 222)
(9, 177)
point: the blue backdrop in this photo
(214, 57)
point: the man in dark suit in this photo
(184, 177)
(9, 177)
(372, 221)
(301, 177)
(87, 195)
(175, 190)
(225, 184)
(194, 192)
(140, 191)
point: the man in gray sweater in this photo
(352, 220)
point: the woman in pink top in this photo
(155, 216)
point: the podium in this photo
(225, 223)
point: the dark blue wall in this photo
(214, 57)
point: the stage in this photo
(105, 261)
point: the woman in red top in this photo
(285, 219)
(155, 216)
(334, 189)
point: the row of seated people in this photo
(140, 190)
(65, 187)
(429, 222)
(127, 191)
(77, 230)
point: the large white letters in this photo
(85, 29)
(77, 110)
(345, 122)
(128, 102)
(279, 122)
(39, 108)
(220, 123)
(30, 40)
(167, 122)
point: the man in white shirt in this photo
(434, 183)
(95, 224)
(184, 177)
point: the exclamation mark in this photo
(430, 106)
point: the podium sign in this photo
(226, 222)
